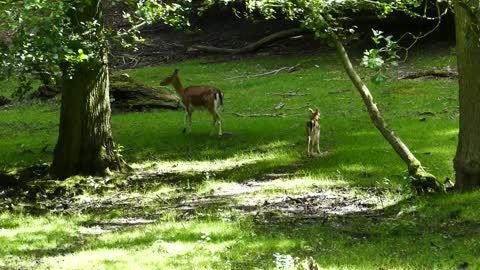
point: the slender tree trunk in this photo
(467, 159)
(422, 179)
(85, 145)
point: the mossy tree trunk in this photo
(467, 159)
(85, 145)
(422, 180)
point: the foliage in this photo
(45, 42)
(46, 39)
(380, 58)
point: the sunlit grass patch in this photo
(182, 166)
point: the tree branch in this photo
(253, 46)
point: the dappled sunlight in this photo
(292, 185)
(179, 166)
(39, 227)
(447, 133)
(168, 246)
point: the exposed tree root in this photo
(423, 181)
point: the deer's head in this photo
(168, 80)
(315, 114)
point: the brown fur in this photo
(313, 132)
(198, 96)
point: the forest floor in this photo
(250, 199)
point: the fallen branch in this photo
(260, 115)
(274, 72)
(289, 94)
(340, 91)
(253, 46)
(433, 73)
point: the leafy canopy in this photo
(44, 36)
(52, 37)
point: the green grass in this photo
(200, 202)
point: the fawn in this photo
(313, 132)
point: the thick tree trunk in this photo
(85, 144)
(467, 159)
(422, 180)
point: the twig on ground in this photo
(260, 115)
(289, 94)
(274, 72)
(434, 73)
(340, 91)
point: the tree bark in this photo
(467, 158)
(85, 145)
(422, 180)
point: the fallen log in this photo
(126, 94)
(430, 73)
(250, 47)
(129, 95)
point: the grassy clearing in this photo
(200, 202)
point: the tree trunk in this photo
(422, 180)
(85, 145)
(467, 159)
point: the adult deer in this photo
(313, 132)
(197, 97)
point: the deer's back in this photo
(199, 94)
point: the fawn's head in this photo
(315, 114)
(168, 80)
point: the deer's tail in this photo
(219, 98)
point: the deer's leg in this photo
(185, 122)
(187, 125)
(318, 142)
(189, 120)
(309, 142)
(217, 123)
